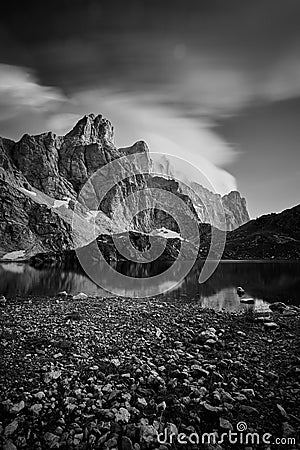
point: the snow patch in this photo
(25, 191)
(59, 203)
(166, 233)
(18, 254)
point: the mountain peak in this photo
(92, 128)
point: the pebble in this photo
(131, 369)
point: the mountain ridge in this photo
(48, 168)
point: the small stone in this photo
(11, 428)
(248, 392)
(249, 409)
(240, 290)
(51, 440)
(123, 415)
(126, 443)
(149, 434)
(59, 431)
(210, 342)
(211, 408)
(225, 424)
(9, 446)
(17, 407)
(142, 402)
(78, 437)
(172, 429)
(278, 306)
(161, 406)
(40, 395)
(199, 370)
(116, 362)
(92, 440)
(241, 333)
(270, 325)
(288, 430)
(62, 294)
(36, 409)
(247, 301)
(111, 443)
(282, 411)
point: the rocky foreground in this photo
(113, 373)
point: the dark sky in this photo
(215, 82)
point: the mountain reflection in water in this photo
(264, 281)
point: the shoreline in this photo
(110, 372)
(27, 260)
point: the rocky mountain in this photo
(30, 226)
(226, 212)
(272, 236)
(213, 208)
(45, 173)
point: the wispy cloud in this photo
(176, 117)
(20, 92)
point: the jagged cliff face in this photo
(235, 210)
(57, 167)
(213, 208)
(60, 165)
(27, 225)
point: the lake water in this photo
(263, 281)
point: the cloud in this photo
(28, 106)
(145, 118)
(21, 93)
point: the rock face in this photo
(57, 167)
(226, 212)
(212, 208)
(25, 224)
(235, 210)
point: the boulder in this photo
(80, 296)
(277, 306)
(240, 291)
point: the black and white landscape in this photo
(149, 225)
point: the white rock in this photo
(248, 301)
(271, 325)
(17, 407)
(123, 415)
(11, 428)
(36, 409)
(142, 402)
(40, 395)
(80, 296)
(62, 294)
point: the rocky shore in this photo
(113, 373)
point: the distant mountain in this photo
(42, 175)
(210, 207)
(209, 211)
(272, 236)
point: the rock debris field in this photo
(118, 373)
